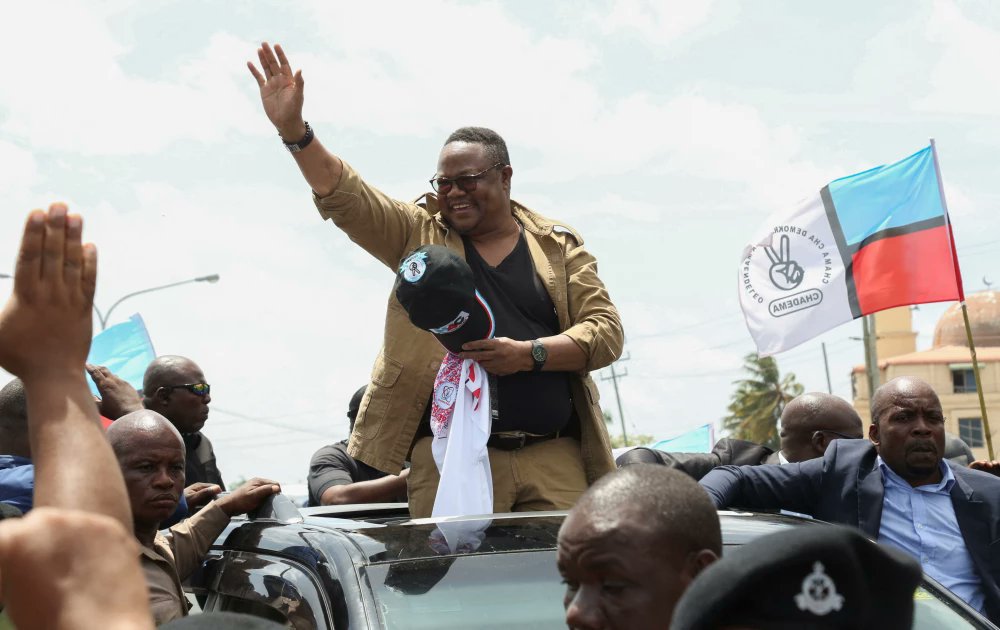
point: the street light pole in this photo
(212, 279)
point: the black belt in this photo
(517, 440)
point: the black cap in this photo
(813, 576)
(436, 288)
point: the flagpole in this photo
(965, 311)
(871, 360)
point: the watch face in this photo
(538, 352)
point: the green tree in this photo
(758, 401)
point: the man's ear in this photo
(873, 434)
(161, 395)
(506, 173)
(697, 561)
(819, 442)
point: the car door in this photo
(274, 588)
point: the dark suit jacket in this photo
(725, 452)
(845, 486)
(200, 462)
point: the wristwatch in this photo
(538, 354)
(295, 147)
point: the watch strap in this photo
(538, 355)
(295, 147)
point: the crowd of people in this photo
(480, 396)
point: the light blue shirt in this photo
(921, 521)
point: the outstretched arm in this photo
(45, 331)
(58, 562)
(282, 94)
(794, 487)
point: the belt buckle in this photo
(521, 438)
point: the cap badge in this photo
(819, 593)
(414, 266)
(453, 325)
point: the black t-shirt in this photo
(535, 402)
(332, 466)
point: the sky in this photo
(665, 132)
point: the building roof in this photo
(945, 354)
(984, 319)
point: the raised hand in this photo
(118, 397)
(281, 91)
(45, 327)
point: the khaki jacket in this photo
(173, 558)
(404, 371)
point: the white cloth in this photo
(460, 422)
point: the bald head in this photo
(811, 421)
(646, 526)
(670, 505)
(167, 388)
(908, 429)
(888, 394)
(163, 372)
(150, 452)
(132, 432)
(14, 420)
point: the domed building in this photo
(947, 365)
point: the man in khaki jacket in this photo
(555, 321)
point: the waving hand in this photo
(281, 91)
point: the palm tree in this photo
(759, 400)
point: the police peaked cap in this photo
(812, 577)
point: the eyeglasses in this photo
(466, 183)
(198, 389)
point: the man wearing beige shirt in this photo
(150, 452)
(555, 321)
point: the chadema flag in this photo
(864, 243)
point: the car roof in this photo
(381, 533)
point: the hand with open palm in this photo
(281, 91)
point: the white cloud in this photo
(657, 23)
(71, 93)
(19, 171)
(962, 81)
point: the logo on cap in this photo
(819, 593)
(453, 325)
(414, 266)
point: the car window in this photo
(502, 590)
(931, 613)
(272, 588)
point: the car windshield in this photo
(521, 590)
(497, 590)
(931, 613)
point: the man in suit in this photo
(809, 423)
(896, 488)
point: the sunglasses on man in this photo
(465, 183)
(198, 389)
